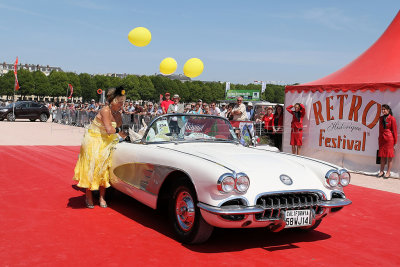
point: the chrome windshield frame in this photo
(143, 140)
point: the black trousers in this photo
(173, 127)
(278, 140)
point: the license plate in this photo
(297, 218)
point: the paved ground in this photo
(25, 133)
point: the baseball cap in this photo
(167, 93)
(250, 104)
(176, 96)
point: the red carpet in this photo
(43, 222)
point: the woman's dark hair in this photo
(112, 93)
(298, 105)
(388, 108)
(279, 106)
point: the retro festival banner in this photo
(346, 122)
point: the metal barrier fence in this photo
(82, 118)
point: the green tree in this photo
(102, 82)
(58, 83)
(74, 80)
(146, 90)
(131, 84)
(41, 84)
(207, 93)
(196, 91)
(7, 84)
(26, 82)
(279, 94)
(88, 87)
(185, 92)
(159, 85)
(269, 93)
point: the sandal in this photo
(387, 175)
(89, 206)
(381, 174)
(103, 204)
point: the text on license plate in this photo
(297, 218)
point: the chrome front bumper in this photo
(216, 216)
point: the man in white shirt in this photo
(239, 111)
(176, 107)
(223, 110)
(250, 111)
(214, 110)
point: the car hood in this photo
(263, 167)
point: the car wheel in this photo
(10, 117)
(32, 119)
(185, 217)
(43, 117)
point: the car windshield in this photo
(189, 128)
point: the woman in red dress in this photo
(268, 120)
(387, 140)
(277, 126)
(296, 137)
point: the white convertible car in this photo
(194, 166)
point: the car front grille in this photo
(276, 204)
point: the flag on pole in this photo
(16, 84)
(263, 85)
(72, 90)
(227, 86)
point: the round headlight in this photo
(332, 177)
(226, 183)
(344, 178)
(242, 183)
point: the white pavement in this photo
(26, 133)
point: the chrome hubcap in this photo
(185, 211)
(43, 117)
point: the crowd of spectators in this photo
(232, 111)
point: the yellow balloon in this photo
(193, 67)
(139, 36)
(168, 66)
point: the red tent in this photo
(359, 88)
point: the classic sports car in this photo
(193, 166)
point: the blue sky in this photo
(238, 41)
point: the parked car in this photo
(25, 110)
(193, 166)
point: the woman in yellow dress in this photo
(92, 168)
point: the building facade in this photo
(6, 67)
